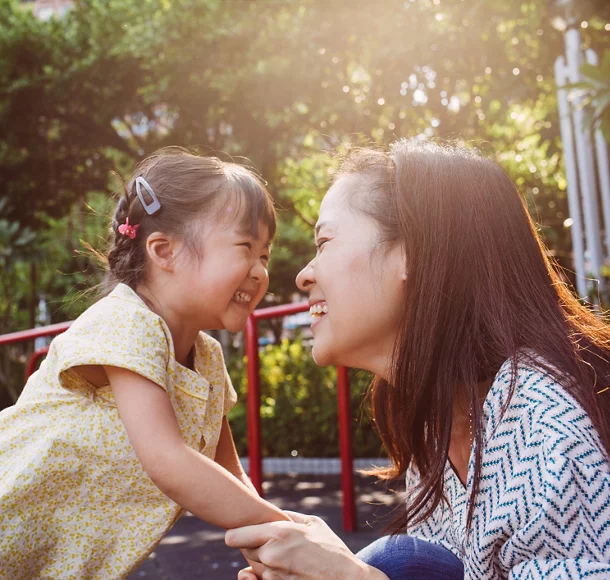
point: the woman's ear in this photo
(399, 261)
(162, 250)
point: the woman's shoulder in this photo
(528, 398)
(544, 470)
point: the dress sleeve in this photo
(568, 536)
(218, 375)
(114, 332)
(230, 396)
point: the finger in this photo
(298, 518)
(248, 536)
(246, 574)
(251, 554)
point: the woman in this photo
(492, 388)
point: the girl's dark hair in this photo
(189, 187)
(479, 290)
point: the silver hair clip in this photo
(154, 205)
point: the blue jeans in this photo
(404, 558)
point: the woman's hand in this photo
(304, 549)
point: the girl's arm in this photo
(193, 481)
(226, 455)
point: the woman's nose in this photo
(306, 279)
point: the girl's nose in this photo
(306, 279)
(258, 272)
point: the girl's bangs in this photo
(250, 203)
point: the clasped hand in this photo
(304, 549)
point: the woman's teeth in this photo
(242, 297)
(318, 310)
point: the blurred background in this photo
(92, 86)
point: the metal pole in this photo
(567, 137)
(282, 310)
(345, 446)
(51, 330)
(254, 404)
(601, 148)
(584, 154)
(31, 366)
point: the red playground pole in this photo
(345, 447)
(31, 366)
(254, 404)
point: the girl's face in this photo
(224, 281)
(355, 286)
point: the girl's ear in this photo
(162, 250)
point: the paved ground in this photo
(194, 550)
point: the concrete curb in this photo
(311, 465)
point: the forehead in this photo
(246, 203)
(337, 205)
(245, 228)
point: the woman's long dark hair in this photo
(479, 290)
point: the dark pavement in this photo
(194, 550)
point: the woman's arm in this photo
(304, 549)
(193, 481)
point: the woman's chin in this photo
(322, 356)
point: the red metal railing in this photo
(254, 398)
(38, 332)
(41, 331)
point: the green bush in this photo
(299, 405)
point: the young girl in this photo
(123, 427)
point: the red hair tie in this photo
(127, 230)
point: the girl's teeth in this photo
(242, 297)
(318, 310)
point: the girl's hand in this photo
(252, 572)
(304, 549)
(247, 574)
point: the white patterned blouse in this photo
(543, 507)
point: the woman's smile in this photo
(318, 310)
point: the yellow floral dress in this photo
(75, 502)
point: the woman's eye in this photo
(321, 242)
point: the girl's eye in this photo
(247, 245)
(321, 242)
(265, 259)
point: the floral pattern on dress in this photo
(75, 501)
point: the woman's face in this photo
(355, 285)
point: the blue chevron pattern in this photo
(543, 507)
